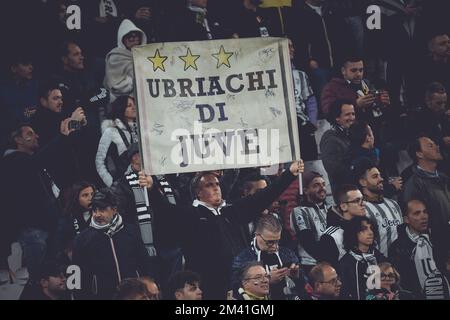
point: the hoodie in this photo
(119, 63)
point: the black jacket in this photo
(96, 255)
(335, 146)
(28, 197)
(187, 28)
(435, 126)
(163, 238)
(62, 164)
(401, 256)
(435, 192)
(69, 226)
(311, 35)
(331, 243)
(354, 275)
(209, 242)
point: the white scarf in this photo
(216, 212)
(143, 210)
(435, 286)
(107, 8)
(201, 18)
(368, 257)
(111, 228)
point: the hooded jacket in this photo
(119, 71)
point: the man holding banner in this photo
(214, 105)
(212, 230)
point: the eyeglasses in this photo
(260, 277)
(357, 201)
(269, 243)
(333, 281)
(388, 275)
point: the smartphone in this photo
(74, 124)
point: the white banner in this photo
(219, 104)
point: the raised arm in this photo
(250, 207)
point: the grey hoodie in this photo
(119, 63)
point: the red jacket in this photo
(337, 88)
(291, 195)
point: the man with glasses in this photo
(325, 282)
(254, 282)
(286, 282)
(350, 203)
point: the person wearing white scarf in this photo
(415, 257)
(355, 266)
(108, 251)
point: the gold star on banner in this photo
(223, 57)
(158, 61)
(189, 60)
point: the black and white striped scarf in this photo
(434, 284)
(111, 228)
(143, 208)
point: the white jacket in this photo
(119, 64)
(112, 135)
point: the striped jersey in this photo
(311, 218)
(388, 216)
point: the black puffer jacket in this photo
(105, 261)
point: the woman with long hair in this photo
(119, 132)
(76, 216)
(361, 257)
